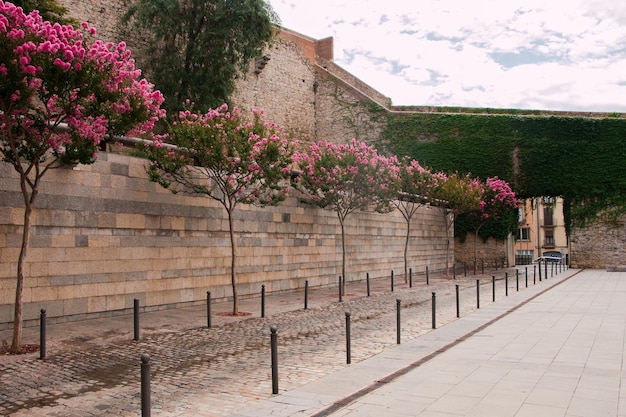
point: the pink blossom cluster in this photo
(497, 197)
(346, 176)
(50, 74)
(247, 159)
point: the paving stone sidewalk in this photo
(92, 367)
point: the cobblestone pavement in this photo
(197, 370)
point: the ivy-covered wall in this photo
(580, 158)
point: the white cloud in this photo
(486, 53)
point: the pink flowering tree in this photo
(496, 199)
(416, 187)
(225, 157)
(345, 178)
(454, 195)
(60, 94)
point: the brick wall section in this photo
(104, 235)
(598, 245)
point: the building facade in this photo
(541, 230)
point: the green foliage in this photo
(498, 228)
(453, 142)
(49, 10)
(196, 49)
(578, 158)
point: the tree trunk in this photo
(475, 245)
(448, 224)
(233, 262)
(343, 252)
(406, 250)
(16, 344)
(29, 199)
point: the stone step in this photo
(619, 268)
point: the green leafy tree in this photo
(227, 158)
(49, 10)
(196, 49)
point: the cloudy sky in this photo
(531, 54)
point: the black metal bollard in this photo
(458, 307)
(534, 274)
(392, 280)
(208, 309)
(145, 385)
(427, 283)
(306, 294)
(526, 273)
(434, 298)
(42, 334)
(506, 284)
(545, 270)
(516, 280)
(539, 271)
(493, 288)
(274, 348)
(464, 269)
(263, 300)
(410, 278)
(398, 327)
(340, 290)
(348, 351)
(552, 265)
(477, 294)
(136, 318)
(367, 280)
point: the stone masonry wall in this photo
(284, 89)
(598, 245)
(489, 252)
(103, 235)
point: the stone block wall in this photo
(489, 252)
(103, 235)
(598, 245)
(284, 89)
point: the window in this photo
(523, 234)
(523, 257)
(548, 216)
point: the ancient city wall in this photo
(599, 245)
(302, 89)
(284, 89)
(104, 235)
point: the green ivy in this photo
(578, 158)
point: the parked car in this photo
(551, 256)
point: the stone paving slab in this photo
(92, 367)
